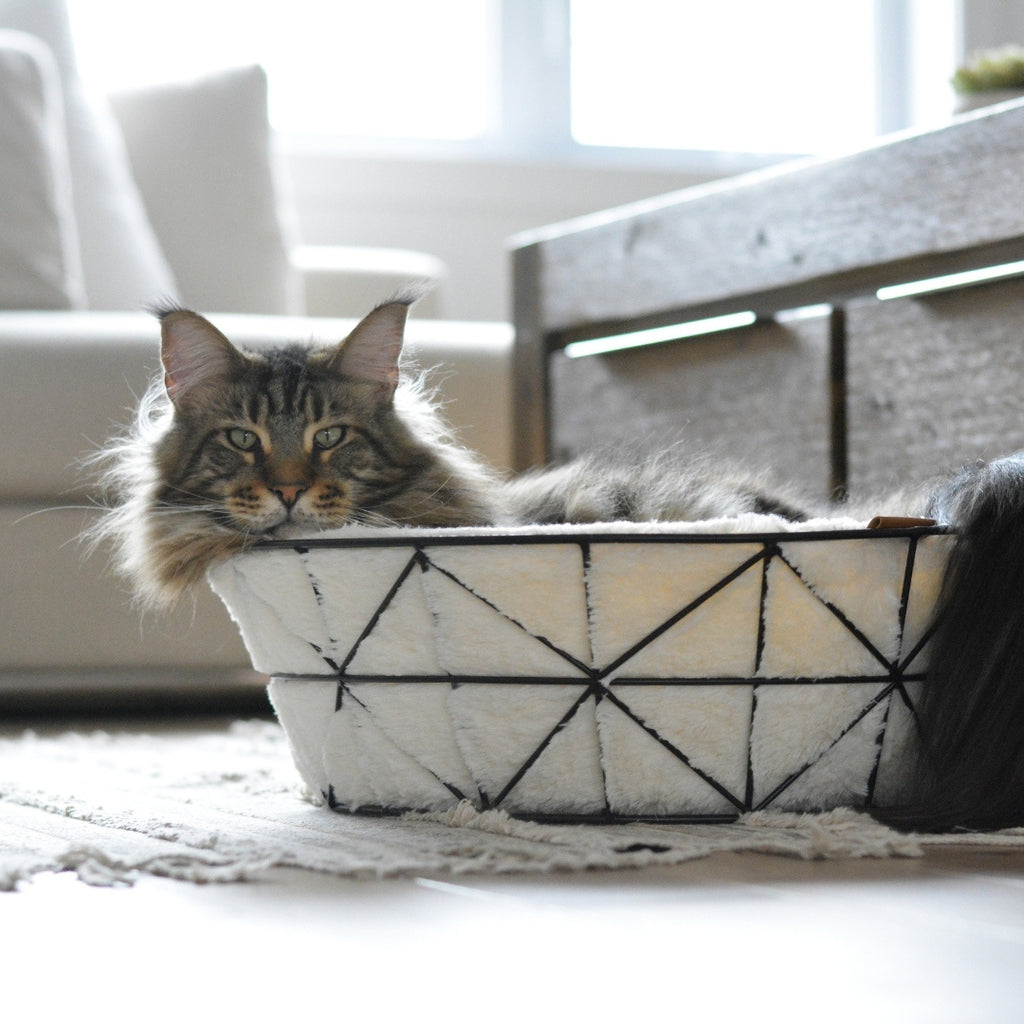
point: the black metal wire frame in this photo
(601, 684)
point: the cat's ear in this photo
(195, 355)
(371, 352)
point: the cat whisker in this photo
(184, 510)
(366, 518)
(59, 508)
(186, 493)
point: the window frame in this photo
(531, 117)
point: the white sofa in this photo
(176, 197)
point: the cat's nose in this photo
(288, 493)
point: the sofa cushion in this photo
(122, 264)
(201, 154)
(39, 261)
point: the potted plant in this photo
(990, 76)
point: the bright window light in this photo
(657, 335)
(747, 76)
(791, 76)
(390, 68)
(948, 281)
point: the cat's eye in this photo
(329, 437)
(242, 439)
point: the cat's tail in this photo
(971, 773)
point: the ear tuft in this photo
(194, 353)
(372, 351)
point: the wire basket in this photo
(598, 674)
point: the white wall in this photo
(985, 24)
(463, 211)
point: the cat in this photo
(234, 446)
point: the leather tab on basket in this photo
(898, 522)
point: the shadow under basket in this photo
(595, 674)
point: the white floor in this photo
(733, 937)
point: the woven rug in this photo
(224, 805)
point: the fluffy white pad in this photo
(687, 671)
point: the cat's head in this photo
(235, 445)
(298, 435)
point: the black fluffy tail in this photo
(972, 718)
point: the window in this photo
(553, 78)
(797, 76)
(391, 68)
(766, 77)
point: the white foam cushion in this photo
(201, 154)
(39, 262)
(123, 266)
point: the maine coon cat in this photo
(235, 446)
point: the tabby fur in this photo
(234, 445)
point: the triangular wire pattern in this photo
(474, 634)
(664, 585)
(606, 745)
(280, 625)
(782, 756)
(400, 640)
(871, 599)
(538, 587)
(366, 767)
(787, 792)
(418, 720)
